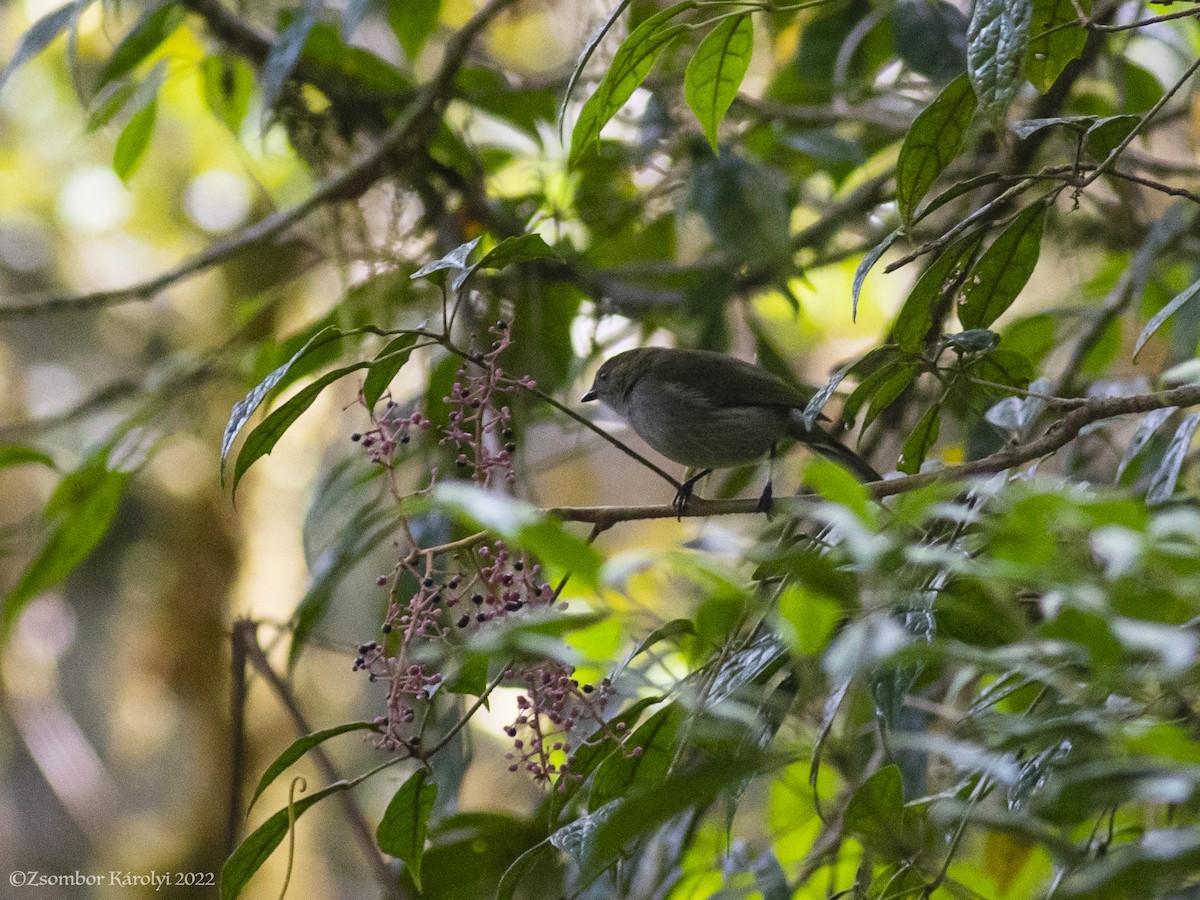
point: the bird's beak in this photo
(589, 396)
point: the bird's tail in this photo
(820, 441)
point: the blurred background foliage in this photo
(980, 217)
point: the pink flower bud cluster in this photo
(391, 432)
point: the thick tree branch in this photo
(1058, 435)
(400, 148)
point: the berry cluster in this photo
(391, 432)
(557, 715)
(480, 424)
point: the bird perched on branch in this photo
(709, 411)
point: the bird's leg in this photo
(767, 500)
(684, 494)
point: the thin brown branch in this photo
(1058, 435)
(400, 148)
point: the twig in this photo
(398, 148)
(358, 824)
(1059, 434)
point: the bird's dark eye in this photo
(603, 376)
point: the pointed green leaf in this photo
(1050, 53)
(154, 27)
(1162, 485)
(655, 744)
(387, 363)
(299, 748)
(934, 140)
(868, 262)
(413, 21)
(630, 66)
(997, 38)
(262, 440)
(134, 139)
(920, 441)
(40, 35)
(716, 72)
(401, 832)
(1003, 270)
(258, 846)
(16, 455)
(227, 83)
(1157, 320)
(456, 259)
(915, 318)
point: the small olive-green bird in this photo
(709, 411)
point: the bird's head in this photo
(616, 376)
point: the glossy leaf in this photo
(657, 738)
(920, 441)
(401, 832)
(300, 747)
(1003, 270)
(887, 392)
(934, 140)
(1162, 484)
(716, 71)
(455, 260)
(510, 251)
(585, 56)
(154, 27)
(40, 35)
(258, 846)
(915, 319)
(868, 262)
(876, 810)
(1146, 430)
(1050, 52)
(244, 408)
(997, 39)
(80, 511)
(386, 365)
(1156, 321)
(134, 140)
(629, 68)
(262, 440)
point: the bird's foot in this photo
(684, 495)
(766, 502)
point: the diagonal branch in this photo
(399, 148)
(1058, 435)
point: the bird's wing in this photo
(728, 381)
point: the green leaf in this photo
(520, 524)
(861, 367)
(584, 57)
(860, 274)
(17, 455)
(285, 53)
(109, 103)
(509, 251)
(413, 21)
(456, 260)
(934, 140)
(931, 37)
(1162, 485)
(1106, 134)
(1050, 53)
(629, 68)
(1156, 322)
(258, 846)
(920, 441)
(401, 832)
(40, 35)
(299, 748)
(244, 408)
(996, 44)
(1146, 430)
(1160, 860)
(888, 381)
(916, 316)
(1003, 270)
(262, 440)
(134, 139)
(657, 737)
(81, 509)
(387, 363)
(154, 27)
(226, 83)
(716, 71)
(890, 389)
(876, 811)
